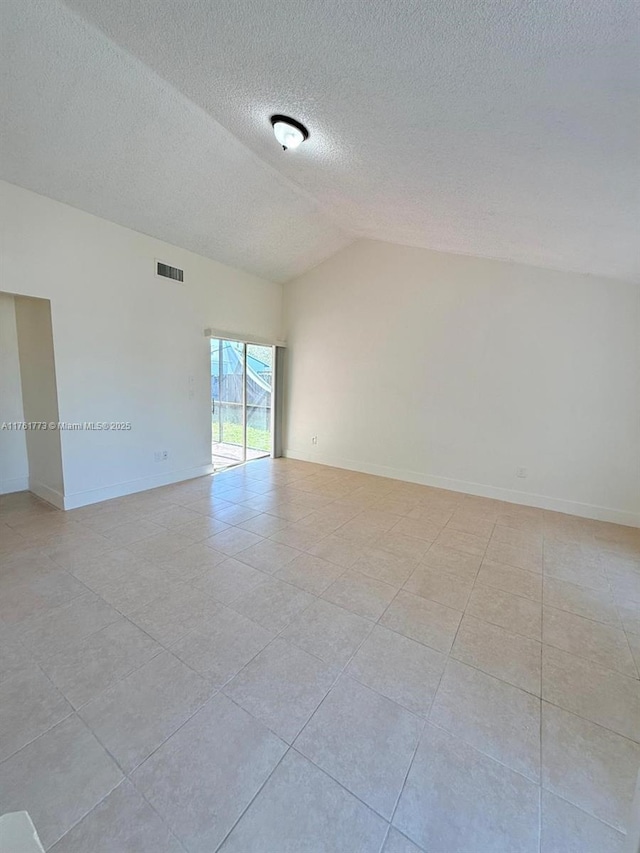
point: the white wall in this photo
(40, 396)
(14, 466)
(455, 371)
(127, 342)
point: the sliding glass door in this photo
(241, 401)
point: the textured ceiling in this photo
(83, 122)
(497, 129)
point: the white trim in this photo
(272, 416)
(51, 496)
(244, 400)
(598, 513)
(15, 484)
(130, 487)
(243, 338)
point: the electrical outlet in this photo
(165, 455)
(160, 455)
(314, 439)
(521, 472)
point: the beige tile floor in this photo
(289, 658)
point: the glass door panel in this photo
(259, 387)
(227, 402)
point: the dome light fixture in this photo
(289, 132)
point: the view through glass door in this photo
(241, 402)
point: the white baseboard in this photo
(598, 513)
(51, 496)
(118, 490)
(15, 484)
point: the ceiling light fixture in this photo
(289, 132)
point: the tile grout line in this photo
(541, 754)
(406, 777)
(255, 796)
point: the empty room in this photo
(319, 426)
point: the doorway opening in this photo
(241, 402)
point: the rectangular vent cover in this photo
(169, 272)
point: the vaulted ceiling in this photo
(505, 130)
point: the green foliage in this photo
(257, 439)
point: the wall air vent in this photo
(166, 271)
